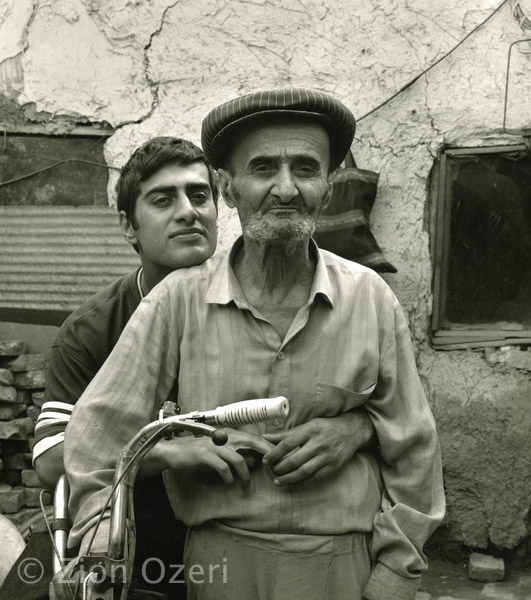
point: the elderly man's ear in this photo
(224, 183)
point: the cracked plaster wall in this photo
(150, 67)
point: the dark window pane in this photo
(53, 171)
(489, 258)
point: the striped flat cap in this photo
(223, 120)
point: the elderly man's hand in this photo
(231, 461)
(318, 448)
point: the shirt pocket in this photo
(332, 400)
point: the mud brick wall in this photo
(22, 382)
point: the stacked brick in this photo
(22, 381)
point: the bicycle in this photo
(105, 576)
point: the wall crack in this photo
(153, 85)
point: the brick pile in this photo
(22, 381)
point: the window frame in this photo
(39, 132)
(440, 234)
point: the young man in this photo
(276, 316)
(167, 201)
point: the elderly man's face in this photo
(278, 179)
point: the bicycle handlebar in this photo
(240, 413)
(199, 422)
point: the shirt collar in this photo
(225, 287)
(139, 282)
(322, 286)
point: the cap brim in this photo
(220, 142)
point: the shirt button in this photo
(276, 422)
(280, 356)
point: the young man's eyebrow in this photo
(171, 189)
(161, 189)
(197, 187)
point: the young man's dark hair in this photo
(148, 159)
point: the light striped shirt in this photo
(348, 346)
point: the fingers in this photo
(309, 471)
(252, 458)
(229, 465)
(248, 448)
(305, 453)
(275, 438)
(242, 440)
(213, 462)
(226, 461)
(294, 459)
(286, 442)
(241, 471)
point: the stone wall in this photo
(150, 67)
(22, 382)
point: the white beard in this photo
(279, 231)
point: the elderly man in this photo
(275, 316)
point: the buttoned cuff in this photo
(385, 584)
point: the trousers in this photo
(224, 563)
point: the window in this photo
(39, 170)
(482, 252)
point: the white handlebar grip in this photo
(248, 411)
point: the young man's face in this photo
(278, 179)
(175, 218)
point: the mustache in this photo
(296, 204)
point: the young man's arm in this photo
(68, 376)
(50, 466)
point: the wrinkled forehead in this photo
(279, 137)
